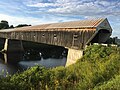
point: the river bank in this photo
(99, 69)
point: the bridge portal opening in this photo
(101, 36)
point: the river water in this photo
(14, 62)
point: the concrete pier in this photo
(13, 46)
(73, 56)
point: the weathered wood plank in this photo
(61, 37)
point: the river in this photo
(17, 62)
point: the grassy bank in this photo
(99, 69)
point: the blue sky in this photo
(37, 12)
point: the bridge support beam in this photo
(13, 46)
(73, 56)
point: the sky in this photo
(37, 12)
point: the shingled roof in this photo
(72, 24)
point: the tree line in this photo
(5, 25)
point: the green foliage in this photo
(99, 69)
(22, 25)
(11, 26)
(113, 84)
(4, 24)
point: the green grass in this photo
(99, 69)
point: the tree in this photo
(4, 24)
(22, 25)
(11, 26)
(111, 40)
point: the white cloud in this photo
(80, 7)
(14, 20)
(42, 5)
(18, 20)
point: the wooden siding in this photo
(72, 39)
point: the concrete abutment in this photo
(73, 56)
(13, 46)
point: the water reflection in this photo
(12, 58)
(9, 63)
(13, 62)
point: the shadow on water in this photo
(9, 63)
(47, 56)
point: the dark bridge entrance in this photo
(101, 36)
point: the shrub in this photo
(99, 69)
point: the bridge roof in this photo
(72, 25)
(77, 24)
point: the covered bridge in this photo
(73, 35)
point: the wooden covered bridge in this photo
(74, 35)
